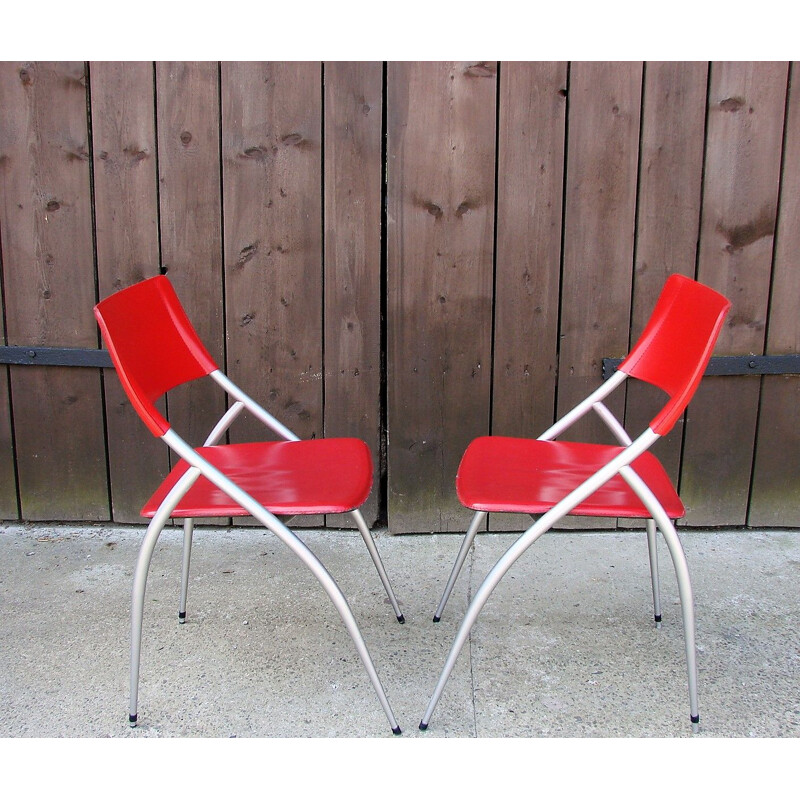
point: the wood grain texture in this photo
(530, 180)
(272, 163)
(126, 233)
(775, 498)
(668, 222)
(602, 160)
(743, 158)
(48, 271)
(190, 198)
(599, 221)
(441, 156)
(352, 280)
(9, 507)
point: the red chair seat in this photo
(529, 476)
(315, 476)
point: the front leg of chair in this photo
(477, 519)
(652, 549)
(481, 596)
(154, 529)
(670, 534)
(188, 530)
(376, 559)
(137, 603)
(687, 610)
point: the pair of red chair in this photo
(155, 348)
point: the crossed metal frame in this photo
(620, 464)
(200, 466)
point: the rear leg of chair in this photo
(652, 549)
(477, 519)
(376, 559)
(188, 530)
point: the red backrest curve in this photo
(152, 344)
(676, 344)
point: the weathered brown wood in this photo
(272, 161)
(530, 180)
(775, 496)
(190, 199)
(48, 271)
(668, 224)
(441, 156)
(9, 508)
(353, 181)
(602, 159)
(126, 233)
(743, 157)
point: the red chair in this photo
(155, 348)
(553, 479)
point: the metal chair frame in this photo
(620, 465)
(198, 465)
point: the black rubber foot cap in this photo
(658, 617)
(132, 719)
(401, 619)
(695, 719)
(423, 726)
(436, 619)
(396, 731)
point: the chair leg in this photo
(334, 593)
(652, 549)
(188, 530)
(478, 601)
(665, 525)
(376, 559)
(137, 604)
(154, 529)
(687, 610)
(477, 519)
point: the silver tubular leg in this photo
(687, 610)
(652, 549)
(376, 559)
(481, 596)
(670, 534)
(154, 529)
(339, 601)
(477, 519)
(270, 522)
(188, 530)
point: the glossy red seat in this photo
(550, 479)
(154, 349)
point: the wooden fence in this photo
(411, 253)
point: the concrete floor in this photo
(565, 647)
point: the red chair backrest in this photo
(676, 344)
(152, 344)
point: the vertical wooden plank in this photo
(775, 496)
(743, 156)
(530, 184)
(599, 218)
(190, 198)
(441, 168)
(668, 226)
(602, 159)
(9, 508)
(353, 180)
(126, 225)
(272, 161)
(49, 273)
